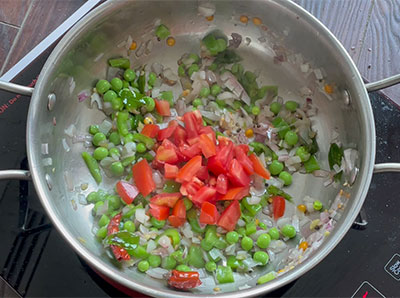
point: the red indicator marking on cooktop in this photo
(366, 290)
(366, 294)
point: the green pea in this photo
(115, 138)
(102, 233)
(261, 257)
(262, 225)
(192, 69)
(168, 263)
(205, 91)
(211, 266)
(116, 84)
(109, 95)
(288, 231)
(275, 167)
(232, 237)
(114, 151)
(102, 86)
(291, 138)
(183, 267)
(93, 197)
(194, 57)
(255, 110)
(275, 107)
(97, 205)
(197, 102)
(104, 220)
(157, 223)
(125, 84)
(129, 75)
(98, 138)
(317, 205)
(247, 243)
(117, 168)
(215, 89)
(149, 103)
(129, 226)
(93, 129)
(117, 104)
(181, 71)
(152, 79)
(114, 202)
(303, 153)
(141, 148)
(263, 240)
(251, 228)
(128, 138)
(143, 266)
(291, 105)
(154, 261)
(241, 231)
(221, 44)
(274, 233)
(285, 177)
(100, 153)
(140, 252)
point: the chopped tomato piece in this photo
(223, 141)
(259, 168)
(167, 155)
(198, 119)
(189, 170)
(113, 227)
(162, 107)
(150, 130)
(178, 216)
(190, 188)
(210, 132)
(212, 181)
(143, 177)
(170, 171)
(207, 146)
(168, 131)
(222, 184)
(241, 156)
(205, 194)
(218, 164)
(127, 191)
(184, 280)
(278, 206)
(193, 141)
(159, 212)
(203, 173)
(236, 193)
(192, 125)
(230, 216)
(236, 174)
(166, 199)
(190, 150)
(180, 135)
(209, 214)
(120, 253)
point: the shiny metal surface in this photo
(16, 88)
(81, 58)
(15, 174)
(387, 167)
(382, 84)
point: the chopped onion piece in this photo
(206, 9)
(65, 145)
(141, 216)
(45, 148)
(95, 98)
(71, 130)
(157, 273)
(105, 126)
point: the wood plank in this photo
(347, 19)
(13, 11)
(7, 37)
(43, 18)
(380, 54)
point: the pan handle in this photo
(386, 167)
(16, 88)
(382, 84)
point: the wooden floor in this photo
(369, 30)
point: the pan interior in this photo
(81, 59)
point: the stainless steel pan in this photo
(77, 60)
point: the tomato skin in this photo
(170, 171)
(189, 170)
(159, 212)
(166, 155)
(204, 194)
(278, 206)
(207, 146)
(230, 216)
(178, 216)
(166, 199)
(127, 191)
(236, 193)
(162, 107)
(184, 280)
(190, 188)
(143, 177)
(236, 174)
(180, 135)
(209, 214)
(218, 164)
(208, 130)
(241, 156)
(168, 131)
(190, 151)
(150, 130)
(193, 123)
(259, 169)
(113, 227)
(202, 173)
(222, 184)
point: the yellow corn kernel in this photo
(170, 41)
(303, 245)
(257, 21)
(244, 19)
(257, 221)
(210, 18)
(148, 120)
(249, 133)
(302, 208)
(185, 92)
(133, 45)
(328, 89)
(281, 271)
(270, 200)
